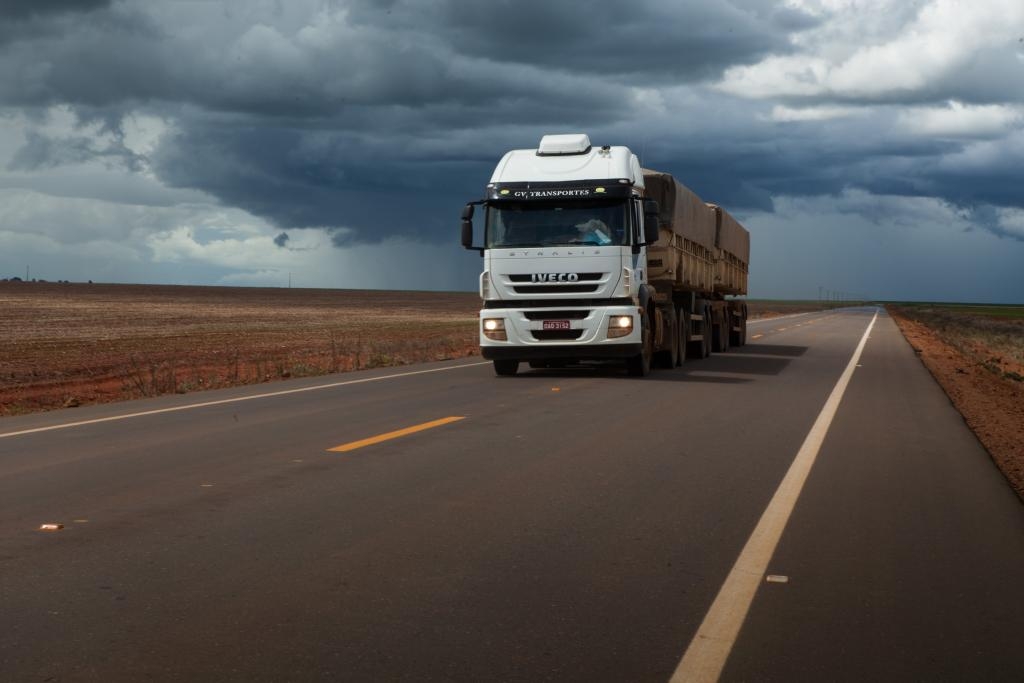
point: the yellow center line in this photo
(757, 336)
(351, 446)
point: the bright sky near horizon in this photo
(874, 147)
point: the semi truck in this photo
(587, 256)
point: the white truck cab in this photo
(564, 256)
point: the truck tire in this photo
(640, 364)
(739, 337)
(506, 368)
(669, 358)
(682, 335)
(722, 332)
(706, 343)
(696, 348)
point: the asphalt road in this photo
(573, 525)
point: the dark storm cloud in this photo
(375, 119)
(746, 169)
(645, 40)
(42, 152)
(298, 178)
(20, 9)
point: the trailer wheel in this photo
(706, 343)
(696, 349)
(505, 367)
(640, 364)
(722, 332)
(739, 337)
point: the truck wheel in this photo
(708, 333)
(640, 364)
(720, 337)
(696, 349)
(506, 368)
(669, 358)
(683, 334)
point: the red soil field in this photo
(72, 344)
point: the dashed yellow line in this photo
(352, 445)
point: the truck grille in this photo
(584, 283)
(555, 288)
(556, 315)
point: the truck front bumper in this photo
(550, 352)
(586, 337)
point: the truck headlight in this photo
(494, 328)
(620, 326)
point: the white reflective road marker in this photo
(776, 578)
(705, 657)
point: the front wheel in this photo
(669, 358)
(506, 368)
(640, 364)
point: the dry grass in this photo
(992, 337)
(978, 359)
(70, 344)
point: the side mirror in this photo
(650, 221)
(467, 226)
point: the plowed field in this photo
(71, 344)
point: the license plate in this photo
(556, 325)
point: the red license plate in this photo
(556, 325)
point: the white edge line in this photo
(706, 655)
(238, 399)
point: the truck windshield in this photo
(543, 224)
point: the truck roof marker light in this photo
(599, 190)
(504, 192)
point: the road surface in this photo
(437, 523)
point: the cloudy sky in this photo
(871, 146)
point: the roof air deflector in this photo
(560, 145)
